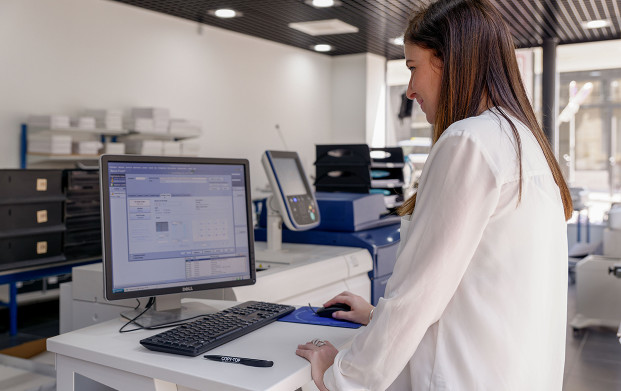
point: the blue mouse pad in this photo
(305, 315)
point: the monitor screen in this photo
(292, 198)
(289, 176)
(175, 225)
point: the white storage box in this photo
(48, 143)
(57, 121)
(106, 119)
(144, 147)
(160, 118)
(87, 147)
(141, 125)
(87, 123)
(114, 148)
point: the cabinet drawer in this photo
(31, 247)
(21, 186)
(24, 216)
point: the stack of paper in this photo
(171, 148)
(144, 147)
(141, 125)
(106, 119)
(87, 147)
(49, 121)
(185, 127)
(48, 143)
(159, 116)
(115, 148)
(86, 123)
(190, 148)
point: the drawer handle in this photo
(42, 247)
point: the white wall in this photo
(349, 76)
(359, 99)
(376, 100)
(60, 56)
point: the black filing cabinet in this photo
(31, 226)
(82, 214)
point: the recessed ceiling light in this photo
(323, 3)
(324, 27)
(225, 13)
(596, 24)
(322, 47)
(397, 41)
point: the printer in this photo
(351, 220)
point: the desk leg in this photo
(67, 367)
(12, 308)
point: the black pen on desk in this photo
(252, 362)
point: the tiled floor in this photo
(593, 360)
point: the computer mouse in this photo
(326, 312)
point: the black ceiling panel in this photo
(379, 21)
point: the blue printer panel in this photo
(381, 242)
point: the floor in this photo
(35, 321)
(593, 359)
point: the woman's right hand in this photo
(360, 308)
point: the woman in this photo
(477, 299)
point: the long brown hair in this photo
(479, 65)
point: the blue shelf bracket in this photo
(24, 146)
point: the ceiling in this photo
(380, 21)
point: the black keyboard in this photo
(213, 330)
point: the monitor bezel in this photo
(106, 225)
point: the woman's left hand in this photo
(321, 356)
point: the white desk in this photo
(296, 275)
(117, 360)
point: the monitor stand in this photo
(168, 309)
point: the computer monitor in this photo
(173, 225)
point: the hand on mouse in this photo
(360, 308)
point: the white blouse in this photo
(478, 296)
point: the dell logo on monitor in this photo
(187, 289)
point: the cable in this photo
(161, 326)
(147, 307)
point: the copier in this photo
(351, 220)
(597, 289)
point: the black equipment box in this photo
(342, 155)
(28, 216)
(31, 222)
(82, 214)
(24, 186)
(40, 246)
(342, 168)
